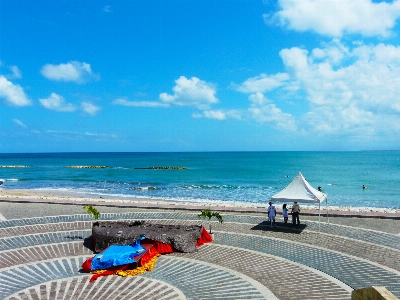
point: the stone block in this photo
(182, 238)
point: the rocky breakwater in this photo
(162, 168)
(87, 167)
(14, 167)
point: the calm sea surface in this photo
(251, 177)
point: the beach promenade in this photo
(42, 246)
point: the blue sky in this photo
(199, 75)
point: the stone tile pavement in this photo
(41, 255)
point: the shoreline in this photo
(71, 198)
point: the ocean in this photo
(234, 177)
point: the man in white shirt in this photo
(271, 214)
(295, 213)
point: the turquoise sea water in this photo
(251, 177)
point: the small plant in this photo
(209, 214)
(92, 211)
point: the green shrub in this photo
(92, 211)
(206, 213)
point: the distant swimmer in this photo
(363, 186)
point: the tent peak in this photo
(299, 190)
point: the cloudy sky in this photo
(186, 75)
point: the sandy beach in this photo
(63, 197)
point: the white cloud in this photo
(66, 133)
(262, 83)
(381, 53)
(107, 9)
(333, 52)
(215, 114)
(125, 102)
(15, 73)
(13, 93)
(338, 17)
(19, 123)
(359, 96)
(57, 103)
(274, 116)
(191, 92)
(262, 109)
(72, 71)
(258, 99)
(90, 108)
(269, 113)
(218, 114)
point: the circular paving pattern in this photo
(40, 258)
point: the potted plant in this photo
(207, 213)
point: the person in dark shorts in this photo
(295, 213)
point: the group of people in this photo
(285, 213)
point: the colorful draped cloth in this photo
(138, 262)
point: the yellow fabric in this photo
(140, 270)
(98, 271)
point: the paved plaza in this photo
(42, 247)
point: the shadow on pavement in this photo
(280, 227)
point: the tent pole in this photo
(327, 209)
(319, 216)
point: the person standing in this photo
(295, 213)
(271, 214)
(285, 213)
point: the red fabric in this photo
(87, 265)
(162, 248)
(205, 237)
(152, 251)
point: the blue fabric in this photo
(117, 255)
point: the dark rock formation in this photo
(180, 237)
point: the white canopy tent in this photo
(300, 190)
